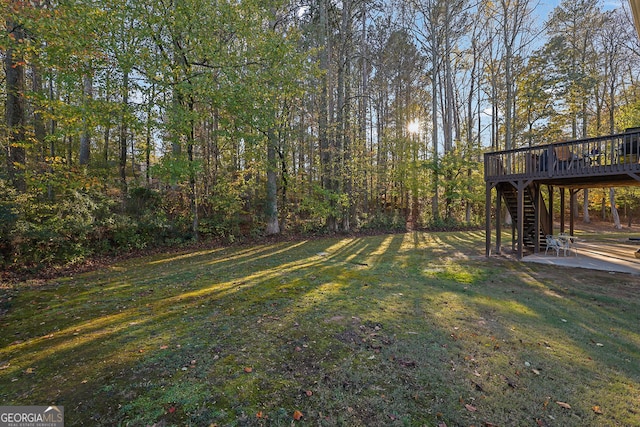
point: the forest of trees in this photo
(129, 124)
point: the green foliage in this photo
(394, 221)
(55, 231)
(211, 91)
(629, 116)
(226, 210)
(175, 169)
(318, 205)
(82, 222)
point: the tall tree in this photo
(513, 20)
(15, 112)
(572, 28)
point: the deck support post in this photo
(562, 208)
(550, 223)
(514, 241)
(537, 200)
(572, 207)
(487, 223)
(519, 223)
(499, 222)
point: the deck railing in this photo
(610, 154)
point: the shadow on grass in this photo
(407, 329)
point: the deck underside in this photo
(521, 176)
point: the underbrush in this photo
(41, 234)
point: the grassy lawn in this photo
(409, 329)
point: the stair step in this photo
(510, 196)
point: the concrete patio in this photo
(615, 256)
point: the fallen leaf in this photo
(297, 415)
(309, 393)
(30, 370)
(172, 409)
(259, 414)
(164, 347)
(564, 405)
(442, 424)
(470, 408)
(248, 369)
(535, 371)
(597, 410)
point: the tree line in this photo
(129, 124)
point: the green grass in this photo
(409, 329)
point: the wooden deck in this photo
(595, 162)
(519, 176)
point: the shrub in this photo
(53, 232)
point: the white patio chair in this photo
(553, 243)
(568, 243)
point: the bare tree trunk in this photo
(39, 128)
(193, 193)
(15, 110)
(52, 129)
(614, 209)
(435, 47)
(85, 138)
(585, 207)
(123, 134)
(327, 156)
(107, 128)
(574, 204)
(148, 139)
(273, 227)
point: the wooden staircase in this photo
(510, 197)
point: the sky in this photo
(543, 10)
(547, 5)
